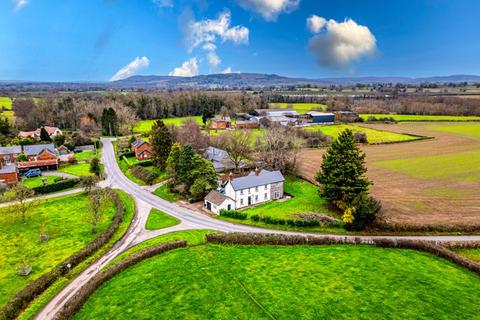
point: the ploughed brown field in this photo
(428, 183)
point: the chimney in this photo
(257, 171)
(230, 176)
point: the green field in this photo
(297, 282)
(158, 220)
(373, 136)
(85, 155)
(300, 107)
(37, 181)
(473, 254)
(145, 126)
(65, 220)
(5, 103)
(454, 167)
(305, 199)
(413, 117)
(79, 170)
(469, 130)
(165, 194)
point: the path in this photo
(137, 233)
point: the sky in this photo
(106, 40)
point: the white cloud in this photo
(130, 69)
(163, 3)
(213, 58)
(188, 69)
(227, 70)
(316, 23)
(208, 31)
(20, 4)
(269, 9)
(209, 47)
(338, 44)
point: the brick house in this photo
(248, 124)
(220, 123)
(9, 155)
(143, 150)
(52, 132)
(43, 156)
(9, 174)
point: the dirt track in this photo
(404, 198)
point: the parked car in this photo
(32, 173)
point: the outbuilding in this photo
(322, 117)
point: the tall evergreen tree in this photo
(109, 122)
(207, 113)
(44, 136)
(342, 175)
(161, 141)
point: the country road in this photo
(189, 219)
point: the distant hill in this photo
(225, 81)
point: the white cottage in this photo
(257, 187)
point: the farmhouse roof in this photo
(11, 150)
(253, 180)
(319, 113)
(215, 154)
(35, 149)
(39, 163)
(137, 143)
(215, 197)
(222, 119)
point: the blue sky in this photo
(71, 40)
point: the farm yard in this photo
(337, 282)
(423, 184)
(144, 126)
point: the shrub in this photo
(57, 186)
(95, 166)
(233, 214)
(360, 137)
(126, 153)
(365, 210)
(22, 298)
(145, 163)
(143, 174)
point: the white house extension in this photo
(257, 187)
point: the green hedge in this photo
(143, 174)
(145, 163)
(24, 297)
(57, 186)
(233, 214)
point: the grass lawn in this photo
(58, 285)
(165, 194)
(79, 170)
(300, 107)
(37, 181)
(461, 166)
(193, 238)
(373, 136)
(469, 130)
(126, 162)
(305, 200)
(265, 282)
(413, 117)
(65, 220)
(146, 125)
(159, 220)
(85, 155)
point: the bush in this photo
(360, 137)
(233, 214)
(57, 186)
(365, 211)
(143, 174)
(315, 138)
(22, 298)
(145, 163)
(127, 153)
(309, 223)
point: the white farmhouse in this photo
(257, 187)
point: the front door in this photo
(249, 200)
(209, 206)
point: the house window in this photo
(277, 195)
(241, 192)
(214, 207)
(266, 196)
(241, 202)
(266, 187)
(256, 198)
(256, 189)
(229, 207)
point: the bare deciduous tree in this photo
(22, 205)
(236, 143)
(191, 134)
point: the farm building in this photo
(249, 124)
(276, 112)
(143, 150)
(8, 174)
(257, 187)
(9, 155)
(321, 117)
(219, 158)
(220, 123)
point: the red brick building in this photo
(143, 150)
(220, 123)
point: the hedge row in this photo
(126, 154)
(145, 163)
(311, 223)
(76, 302)
(143, 174)
(233, 214)
(280, 239)
(57, 186)
(22, 298)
